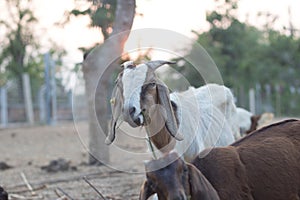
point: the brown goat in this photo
(264, 165)
(172, 178)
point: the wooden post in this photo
(70, 103)
(242, 96)
(3, 106)
(50, 93)
(258, 98)
(252, 100)
(268, 98)
(47, 88)
(42, 104)
(53, 93)
(28, 99)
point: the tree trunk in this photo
(97, 68)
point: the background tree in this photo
(19, 46)
(102, 14)
(251, 57)
(112, 17)
(20, 50)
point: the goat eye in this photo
(151, 85)
(185, 169)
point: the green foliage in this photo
(248, 56)
(20, 52)
(101, 13)
(19, 36)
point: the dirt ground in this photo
(27, 149)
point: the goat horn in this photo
(127, 64)
(157, 63)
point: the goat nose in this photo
(131, 115)
(132, 111)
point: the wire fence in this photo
(23, 101)
(280, 100)
(13, 106)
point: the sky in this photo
(166, 14)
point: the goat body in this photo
(244, 118)
(202, 121)
(263, 165)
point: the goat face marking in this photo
(137, 95)
(133, 80)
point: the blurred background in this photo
(255, 45)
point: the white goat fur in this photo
(244, 119)
(206, 117)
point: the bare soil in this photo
(27, 149)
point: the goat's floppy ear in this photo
(200, 187)
(146, 191)
(157, 63)
(116, 107)
(164, 100)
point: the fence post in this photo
(50, 84)
(70, 101)
(258, 98)
(47, 88)
(3, 105)
(27, 98)
(42, 104)
(53, 93)
(242, 96)
(252, 100)
(278, 100)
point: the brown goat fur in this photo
(264, 165)
(172, 178)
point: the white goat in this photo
(206, 118)
(244, 117)
(196, 118)
(249, 122)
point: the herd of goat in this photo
(209, 149)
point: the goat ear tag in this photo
(112, 101)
